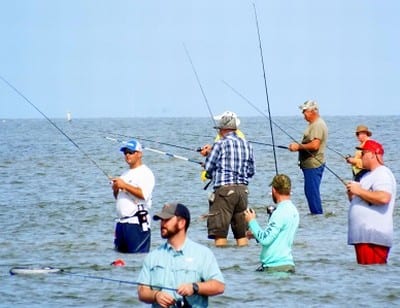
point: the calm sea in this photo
(57, 209)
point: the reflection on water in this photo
(57, 210)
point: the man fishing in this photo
(230, 164)
(179, 263)
(277, 238)
(372, 200)
(312, 154)
(133, 192)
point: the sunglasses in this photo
(129, 152)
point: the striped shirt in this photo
(231, 161)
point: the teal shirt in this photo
(277, 238)
(169, 268)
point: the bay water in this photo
(57, 209)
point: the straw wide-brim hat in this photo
(364, 129)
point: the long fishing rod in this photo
(58, 128)
(251, 141)
(287, 134)
(161, 152)
(271, 145)
(154, 141)
(200, 86)
(24, 270)
(174, 156)
(116, 280)
(266, 88)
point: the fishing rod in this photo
(116, 280)
(174, 156)
(25, 270)
(58, 128)
(269, 144)
(160, 152)
(251, 141)
(154, 141)
(200, 86)
(266, 88)
(287, 134)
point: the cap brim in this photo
(160, 216)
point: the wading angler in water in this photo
(133, 192)
(230, 165)
(372, 200)
(180, 272)
(362, 134)
(311, 154)
(277, 238)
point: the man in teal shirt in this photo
(180, 270)
(277, 238)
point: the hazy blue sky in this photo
(99, 58)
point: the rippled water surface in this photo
(57, 209)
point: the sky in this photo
(101, 58)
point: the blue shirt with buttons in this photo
(169, 268)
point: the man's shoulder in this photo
(197, 247)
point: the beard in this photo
(167, 233)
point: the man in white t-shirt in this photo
(371, 207)
(133, 192)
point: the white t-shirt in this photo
(127, 204)
(370, 223)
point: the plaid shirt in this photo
(231, 161)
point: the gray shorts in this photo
(226, 209)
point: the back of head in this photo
(228, 114)
(227, 122)
(282, 184)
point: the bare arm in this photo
(374, 197)
(207, 288)
(150, 296)
(311, 146)
(119, 183)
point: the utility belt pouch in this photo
(142, 217)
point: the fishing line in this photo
(199, 83)
(266, 88)
(160, 152)
(59, 129)
(287, 134)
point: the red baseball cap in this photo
(372, 146)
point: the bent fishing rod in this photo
(160, 152)
(286, 133)
(266, 89)
(54, 125)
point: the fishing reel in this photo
(182, 303)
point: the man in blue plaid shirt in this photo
(230, 165)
